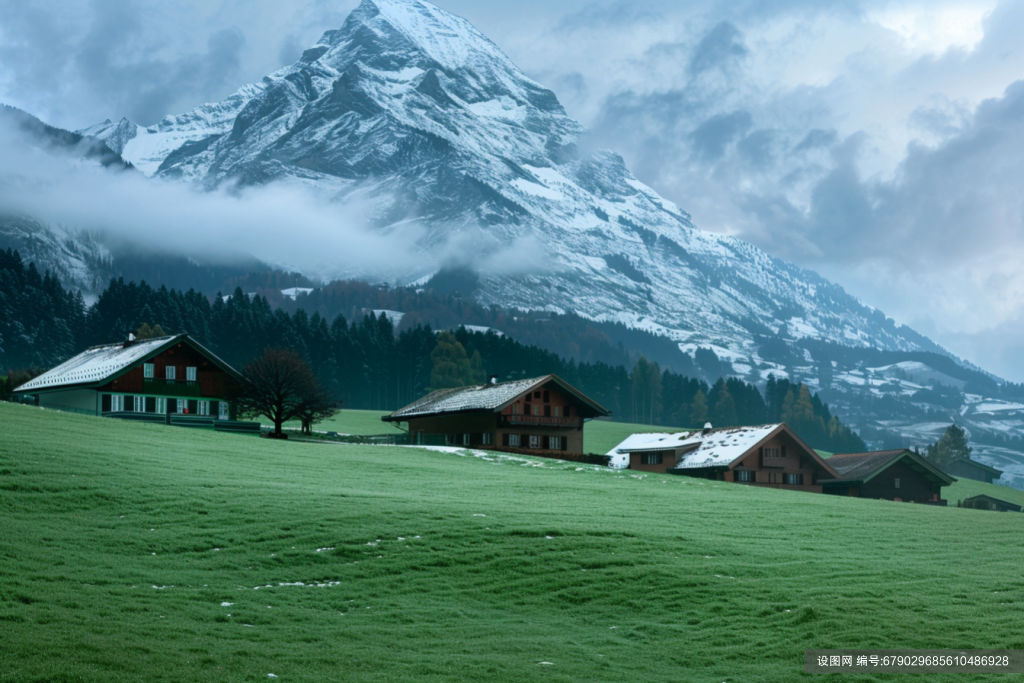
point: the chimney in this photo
(707, 428)
(128, 342)
(493, 381)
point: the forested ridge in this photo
(367, 365)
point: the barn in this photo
(899, 475)
(540, 416)
(965, 468)
(984, 502)
(769, 455)
(171, 379)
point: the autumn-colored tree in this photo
(452, 366)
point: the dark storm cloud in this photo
(711, 138)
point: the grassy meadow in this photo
(133, 552)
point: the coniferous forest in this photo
(368, 366)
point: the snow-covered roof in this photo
(639, 442)
(721, 447)
(481, 397)
(97, 364)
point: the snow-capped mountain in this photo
(413, 109)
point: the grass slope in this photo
(136, 552)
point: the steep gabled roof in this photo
(100, 364)
(980, 465)
(483, 397)
(863, 467)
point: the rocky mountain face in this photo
(411, 111)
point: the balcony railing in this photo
(540, 420)
(171, 387)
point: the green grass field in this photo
(133, 552)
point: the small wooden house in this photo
(169, 379)
(768, 455)
(542, 416)
(965, 468)
(899, 475)
(984, 502)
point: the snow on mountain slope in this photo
(411, 109)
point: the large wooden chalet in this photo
(767, 455)
(900, 475)
(168, 379)
(542, 416)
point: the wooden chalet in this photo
(965, 468)
(170, 379)
(899, 475)
(540, 416)
(768, 455)
(984, 502)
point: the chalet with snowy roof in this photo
(965, 468)
(767, 455)
(899, 475)
(173, 380)
(540, 416)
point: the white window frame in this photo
(514, 440)
(171, 372)
(204, 408)
(746, 476)
(161, 406)
(652, 458)
(116, 403)
(223, 410)
(487, 439)
(773, 452)
(182, 406)
(555, 443)
(148, 370)
(897, 483)
(140, 404)
(467, 439)
(534, 442)
(190, 374)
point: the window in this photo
(536, 410)
(204, 407)
(190, 374)
(794, 479)
(116, 404)
(547, 411)
(466, 439)
(161, 406)
(148, 370)
(547, 396)
(774, 478)
(536, 394)
(514, 440)
(170, 372)
(534, 441)
(652, 458)
(773, 452)
(182, 406)
(223, 412)
(896, 484)
(556, 411)
(555, 443)
(140, 404)
(487, 439)
(515, 408)
(745, 475)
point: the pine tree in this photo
(951, 446)
(698, 413)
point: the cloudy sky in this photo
(879, 143)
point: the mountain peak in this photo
(449, 40)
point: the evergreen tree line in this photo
(364, 364)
